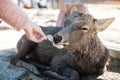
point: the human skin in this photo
(14, 16)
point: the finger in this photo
(39, 38)
(30, 36)
(41, 33)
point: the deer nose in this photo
(57, 38)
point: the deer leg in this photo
(60, 66)
(68, 72)
(114, 61)
(54, 75)
(46, 71)
(24, 48)
(37, 64)
(27, 66)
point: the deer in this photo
(73, 52)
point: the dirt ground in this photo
(47, 17)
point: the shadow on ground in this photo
(10, 72)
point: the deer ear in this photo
(74, 9)
(102, 24)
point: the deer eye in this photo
(84, 28)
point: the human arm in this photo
(62, 13)
(14, 16)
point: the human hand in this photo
(34, 32)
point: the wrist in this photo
(28, 25)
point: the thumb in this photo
(40, 33)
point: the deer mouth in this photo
(59, 45)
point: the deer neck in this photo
(87, 48)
